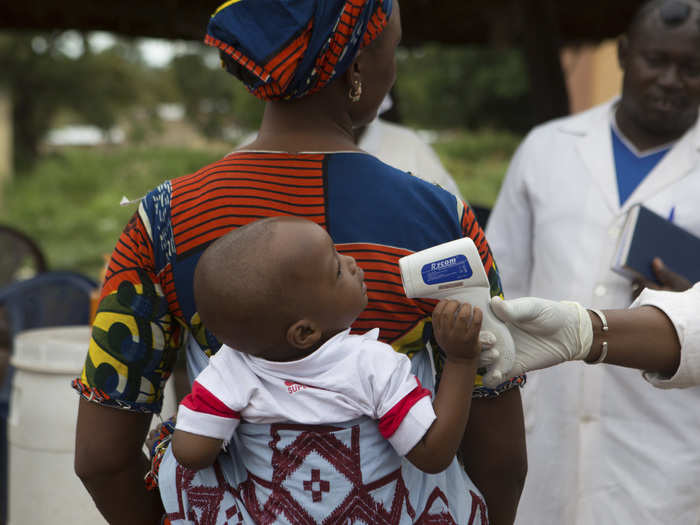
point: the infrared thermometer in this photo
(454, 270)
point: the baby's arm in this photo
(457, 329)
(194, 451)
(204, 421)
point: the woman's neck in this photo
(309, 124)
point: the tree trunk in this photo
(6, 164)
(541, 46)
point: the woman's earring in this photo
(355, 91)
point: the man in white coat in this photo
(603, 446)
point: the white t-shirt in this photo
(348, 377)
(683, 309)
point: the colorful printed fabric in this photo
(295, 474)
(300, 475)
(157, 451)
(282, 49)
(373, 212)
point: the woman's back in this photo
(372, 211)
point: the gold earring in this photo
(355, 91)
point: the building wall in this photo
(5, 136)
(592, 74)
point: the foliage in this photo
(477, 161)
(43, 80)
(70, 201)
(468, 86)
(213, 98)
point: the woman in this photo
(323, 67)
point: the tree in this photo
(42, 80)
(464, 86)
(213, 99)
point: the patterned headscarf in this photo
(284, 49)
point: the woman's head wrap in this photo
(290, 48)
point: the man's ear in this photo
(303, 334)
(623, 45)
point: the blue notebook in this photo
(647, 235)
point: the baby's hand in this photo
(457, 327)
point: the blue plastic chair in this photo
(49, 299)
(20, 256)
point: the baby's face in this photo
(336, 293)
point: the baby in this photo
(281, 299)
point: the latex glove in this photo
(497, 357)
(545, 332)
(489, 355)
(498, 348)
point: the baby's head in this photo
(276, 288)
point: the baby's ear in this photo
(303, 334)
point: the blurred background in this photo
(88, 116)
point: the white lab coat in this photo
(402, 148)
(683, 309)
(604, 447)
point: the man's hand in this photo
(545, 332)
(668, 279)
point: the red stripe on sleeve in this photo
(394, 417)
(203, 401)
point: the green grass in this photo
(478, 161)
(69, 202)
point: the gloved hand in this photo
(545, 332)
(497, 349)
(493, 360)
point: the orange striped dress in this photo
(373, 212)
